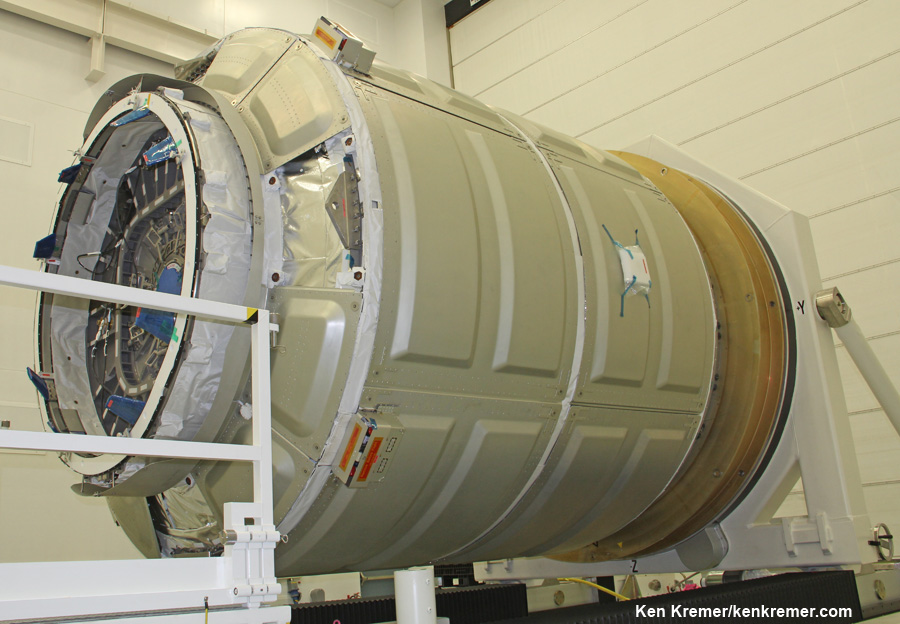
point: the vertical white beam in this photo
(262, 417)
(98, 59)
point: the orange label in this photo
(370, 460)
(351, 445)
(325, 38)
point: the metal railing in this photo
(244, 576)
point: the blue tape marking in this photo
(132, 116)
(625, 292)
(162, 151)
(617, 243)
(126, 408)
(39, 383)
(161, 324)
(67, 175)
(45, 247)
(169, 281)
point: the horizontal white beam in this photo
(124, 26)
(83, 17)
(89, 289)
(143, 447)
(157, 37)
(100, 587)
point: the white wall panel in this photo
(597, 54)
(494, 20)
(837, 176)
(806, 124)
(204, 15)
(858, 238)
(681, 61)
(512, 52)
(759, 81)
(878, 446)
(800, 99)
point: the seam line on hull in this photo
(566, 404)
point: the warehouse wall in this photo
(44, 104)
(798, 99)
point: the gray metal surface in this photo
(533, 401)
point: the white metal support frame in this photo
(218, 589)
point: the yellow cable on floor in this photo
(600, 587)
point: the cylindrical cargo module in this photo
(495, 340)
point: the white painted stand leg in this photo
(833, 309)
(871, 369)
(414, 591)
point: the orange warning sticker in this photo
(351, 446)
(325, 38)
(370, 460)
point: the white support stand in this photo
(221, 590)
(414, 596)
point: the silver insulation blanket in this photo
(226, 244)
(312, 248)
(69, 315)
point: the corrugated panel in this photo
(495, 19)
(854, 38)
(859, 237)
(507, 54)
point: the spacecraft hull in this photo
(495, 340)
